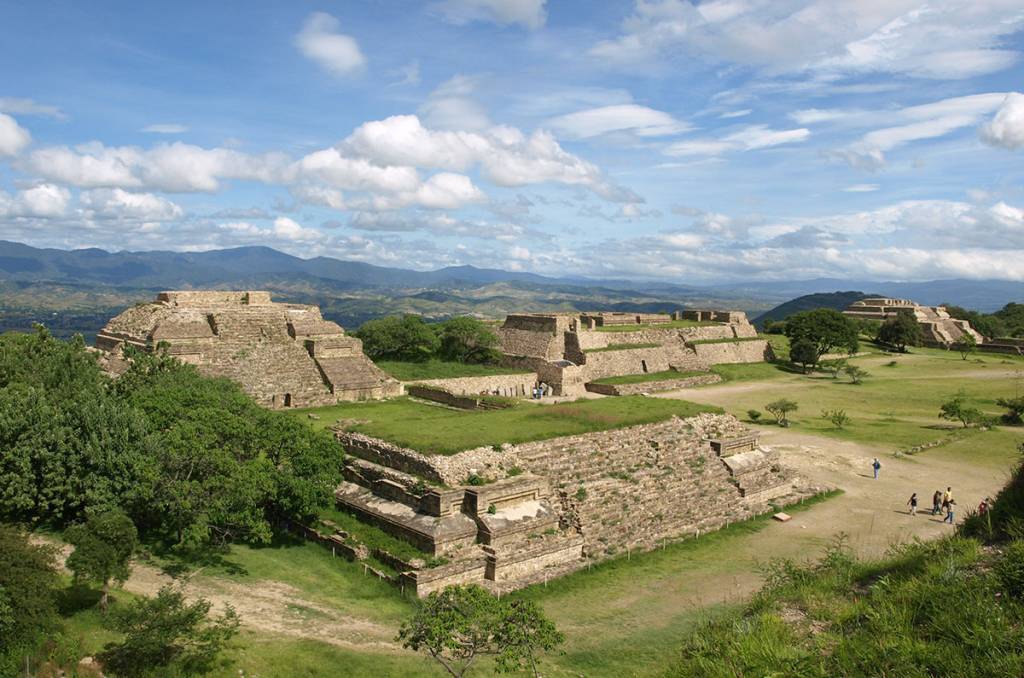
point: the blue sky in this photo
(657, 139)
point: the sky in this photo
(651, 139)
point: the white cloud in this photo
(320, 41)
(736, 114)
(861, 188)
(17, 106)
(289, 229)
(165, 128)
(447, 191)
(949, 40)
(319, 195)
(528, 13)
(1006, 129)
(43, 201)
(639, 120)
(451, 106)
(13, 137)
(747, 139)
(356, 174)
(116, 203)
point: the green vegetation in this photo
(461, 624)
(649, 376)
(671, 325)
(943, 608)
(957, 409)
(901, 331)
(619, 347)
(165, 631)
(28, 597)
(409, 338)
(1006, 322)
(780, 409)
(372, 537)
(439, 430)
(440, 369)
(104, 544)
(825, 328)
(192, 461)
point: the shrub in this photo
(581, 493)
(856, 374)
(475, 480)
(1010, 569)
(957, 409)
(754, 415)
(839, 418)
(1014, 409)
(780, 409)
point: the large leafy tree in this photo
(104, 545)
(901, 331)
(167, 631)
(468, 340)
(825, 328)
(405, 337)
(68, 443)
(460, 624)
(28, 590)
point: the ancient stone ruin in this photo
(549, 507)
(570, 351)
(283, 355)
(938, 327)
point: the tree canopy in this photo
(104, 545)
(406, 338)
(900, 331)
(467, 340)
(28, 589)
(825, 328)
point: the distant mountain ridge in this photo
(835, 300)
(263, 266)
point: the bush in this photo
(753, 415)
(839, 418)
(1010, 569)
(1014, 410)
(780, 409)
(856, 374)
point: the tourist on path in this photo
(912, 503)
(949, 512)
(937, 502)
(947, 497)
(876, 465)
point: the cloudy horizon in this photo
(657, 139)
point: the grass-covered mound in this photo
(439, 430)
(951, 607)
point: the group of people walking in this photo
(942, 502)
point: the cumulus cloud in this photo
(116, 203)
(319, 195)
(528, 13)
(633, 118)
(320, 41)
(861, 188)
(1006, 129)
(42, 201)
(950, 40)
(451, 106)
(747, 139)
(13, 137)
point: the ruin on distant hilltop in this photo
(938, 327)
(283, 355)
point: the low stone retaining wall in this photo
(734, 352)
(653, 386)
(510, 385)
(462, 402)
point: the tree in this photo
(856, 374)
(28, 596)
(524, 632)
(966, 345)
(839, 418)
(104, 545)
(833, 367)
(1014, 409)
(826, 328)
(780, 409)
(405, 338)
(468, 340)
(166, 631)
(458, 625)
(901, 331)
(804, 353)
(957, 409)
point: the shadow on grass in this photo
(76, 598)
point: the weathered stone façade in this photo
(283, 355)
(552, 506)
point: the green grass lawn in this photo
(619, 347)
(649, 376)
(673, 325)
(439, 430)
(439, 369)
(897, 405)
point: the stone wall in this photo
(511, 385)
(734, 352)
(653, 386)
(537, 336)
